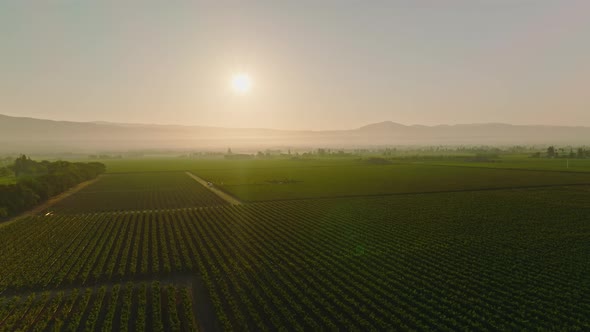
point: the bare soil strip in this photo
(47, 204)
(203, 308)
(226, 197)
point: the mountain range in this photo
(28, 135)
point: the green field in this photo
(118, 307)
(154, 250)
(139, 191)
(359, 179)
(179, 164)
(262, 180)
(562, 165)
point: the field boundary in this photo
(222, 194)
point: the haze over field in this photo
(328, 65)
(295, 165)
(37, 136)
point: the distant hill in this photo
(36, 136)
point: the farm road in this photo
(230, 199)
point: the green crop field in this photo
(153, 250)
(179, 164)
(117, 307)
(562, 165)
(139, 191)
(501, 259)
(359, 179)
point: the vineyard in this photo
(117, 307)
(484, 260)
(138, 192)
(261, 184)
(561, 165)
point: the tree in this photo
(23, 165)
(37, 181)
(551, 152)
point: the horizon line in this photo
(102, 122)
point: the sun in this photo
(241, 83)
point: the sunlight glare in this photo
(241, 83)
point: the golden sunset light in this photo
(241, 83)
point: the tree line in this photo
(553, 152)
(38, 181)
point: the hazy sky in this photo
(314, 64)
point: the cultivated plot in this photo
(178, 164)
(560, 165)
(360, 179)
(114, 307)
(138, 192)
(501, 260)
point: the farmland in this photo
(261, 180)
(139, 191)
(106, 308)
(177, 164)
(562, 165)
(155, 250)
(259, 184)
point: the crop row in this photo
(120, 307)
(463, 261)
(341, 179)
(138, 192)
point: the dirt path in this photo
(230, 199)
(37, 209)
